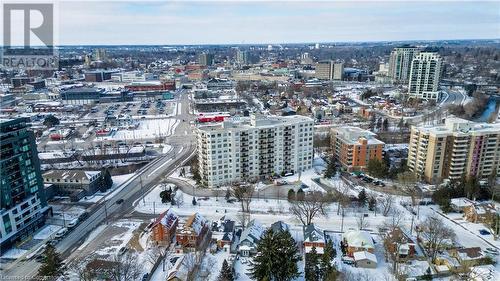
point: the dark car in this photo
(484, 232)
(145, 277)
(119, 201)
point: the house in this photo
(74, 183)
(249, 238)
(459, 204)
(365, 259)
(223, 232)
(406, 249)
(280, 226)
(313, 237)
(180, 270)
(469, 256)
(164, 227)
(479, 213)
(194, 234)
(358, 241)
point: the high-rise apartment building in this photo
(329, 70)
(254, 148)
(338, 71)
(305, 58)
(206, 59)
(242, 57)
(424, 76)
(456, 149)
(400, 63)
(353, 147)
(22, 200)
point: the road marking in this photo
(161, 166)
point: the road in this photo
(183, 148)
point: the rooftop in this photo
(458, 126)
(352, 135)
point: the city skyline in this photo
(271, 22)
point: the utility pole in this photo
(106, 211)
(342, 224)
(142, 190)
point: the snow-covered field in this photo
(148, 129)
(46, 232)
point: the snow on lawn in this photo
(92, 236)
(13, 254)
(148, 129)
(46, 232)
(122, 239)
(116, 187)
(188, 177)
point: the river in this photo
(488, 110)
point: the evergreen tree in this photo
(165, 196)
(372, 203)
(277, 257)
(194, 201)
(328, 271)
(51, 121)
(291, 195)
(311, 268)
(362, 198)
(226, 273)
(300, 194)
(106, 181)
(331, 169)
(52, 263)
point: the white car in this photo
(61, 233)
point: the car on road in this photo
(73, 223)
(145, 276)
(122, 251)
(492, 251)
(119, 201)
(60, 234)
(39, 258)
(484, 232)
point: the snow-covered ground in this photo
(120, 240)
(116, 187)
(13, 254)
(148, 129)
(46, 232)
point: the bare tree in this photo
(393, 238)
(127, 267)
(79, 269)
(244, 219)
(361, 221)
(386, 204)
(314, 204)
(436, 234)
(407, 181)
(244, 194)
(342, 196)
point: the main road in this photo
(183, 148)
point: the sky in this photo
(249, 22)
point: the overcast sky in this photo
(220, 22)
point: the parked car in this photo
(484, 232)
(492, 251)
(60, 234)
(119, 201)
(72, 223)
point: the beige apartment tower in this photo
(457, 149)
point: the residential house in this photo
(223, 232)
(358, 241)
(469, 256)
(164, 227)
(479, 213)
(365, 259)
(249, 238)
(280, 226)
(194, 234)
(406, 249)
(313, 237)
